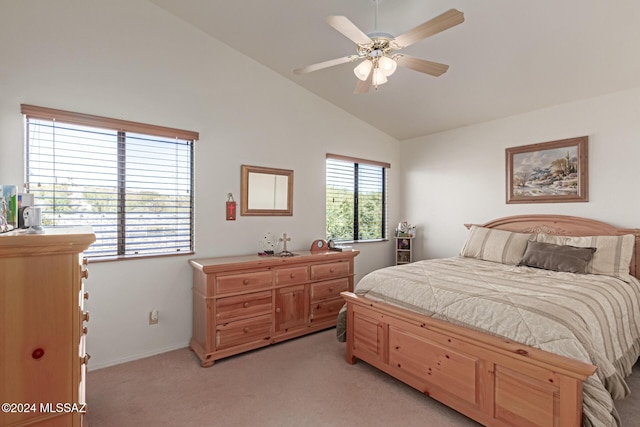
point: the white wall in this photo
(131, 60)
(458, 177)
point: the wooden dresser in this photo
(245, 302)
(42, 343)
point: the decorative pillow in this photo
(613, 253)
(495, 245)
(569, 259)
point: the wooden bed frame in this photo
(491, 380)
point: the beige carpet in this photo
(303, 382)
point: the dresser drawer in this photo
(290, 276)
(328, 289)
(243, 331)
(325, 310)
(245, 305)
(329, 270)
(243, 282)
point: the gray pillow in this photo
(569, 259)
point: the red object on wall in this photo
(231, 208)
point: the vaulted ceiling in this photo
(508, 57)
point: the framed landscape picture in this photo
(555, 171)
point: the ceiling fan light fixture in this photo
(387, 65)
(363, 69)
(378, 77)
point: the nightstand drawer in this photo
(329, 270)
(245, 305)
(328, 289)
(326, 309)
(243, 282)
(243, 331)
(289, 276)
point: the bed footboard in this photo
(493, 381)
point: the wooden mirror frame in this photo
(245, 190)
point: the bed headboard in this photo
(564, 225)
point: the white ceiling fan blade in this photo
(421, 65)
(364, 85)
(325, 64)
(348, 29)
(442, 22)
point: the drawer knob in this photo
(86, 295)
(245, 282)
(330, 288)
(85, 260)
(37, 353)
(331, 270)
(246, 329)
(277, 309)
(246, 304)
(85, 273)
(292, 275)
(85, 330)
(85, 316)
(85, 359)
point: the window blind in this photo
(134, 189)
(355, 199)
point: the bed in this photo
(544, 343)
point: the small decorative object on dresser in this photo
(319, 245)
(42, 338)
(246, 302)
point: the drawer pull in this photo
(85, 260)
(85, 273)
(245, 282)
(37, 353)
(246, 304)
(84, 360)
(85, 330)
(246, 329)
(86, 295)
(85, 316)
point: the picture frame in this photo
(548, 172)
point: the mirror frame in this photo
(244, 194)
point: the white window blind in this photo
(135, 189)
(356, 208)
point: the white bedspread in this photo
(591, 318)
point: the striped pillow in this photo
(495, 245)
(613, 253)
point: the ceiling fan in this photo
(378, 50)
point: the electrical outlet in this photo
(153, 317)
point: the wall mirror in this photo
(266, 191)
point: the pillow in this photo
(613, 253)
(569, 259)
(495, 245)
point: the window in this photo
(356, 199)
(132, 182)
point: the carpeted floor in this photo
(302, 382)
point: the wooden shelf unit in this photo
(246, 302)
(42, 337)
(404, 249)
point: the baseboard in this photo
(95, 366)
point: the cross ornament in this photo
(284, 239)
